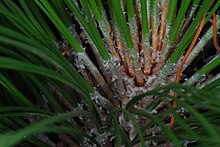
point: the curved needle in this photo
(215, 40)
(181, 67)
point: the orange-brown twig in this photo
(181, 67)
(66, 50)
